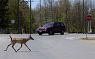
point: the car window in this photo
(58, 24)
(62, 24)
(48, 25)
(55, 25)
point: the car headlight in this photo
(45, 28)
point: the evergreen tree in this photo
(3, 13)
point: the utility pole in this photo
(40, 14)
(45, 10)
(66, 6)
(30, 16)
(77, 17)
(18, 19)
(83, 16)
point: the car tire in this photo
(62, 32)
(51, 32)
(40, 33)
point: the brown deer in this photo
(19, 40)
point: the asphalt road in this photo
(48, 47)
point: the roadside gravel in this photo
(89, 40)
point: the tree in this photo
(13, 13)
(65, 11)
(4, 14)
(23, 15)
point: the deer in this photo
(19, 40)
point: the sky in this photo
(34, 4)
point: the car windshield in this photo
(48, 25)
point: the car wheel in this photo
(62, 32)
(40, 33)
(51, 33)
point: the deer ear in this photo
(29, 35)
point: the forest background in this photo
(51, 11)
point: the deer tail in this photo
(10, 37)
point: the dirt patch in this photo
(89, 40)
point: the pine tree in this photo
(3, 13)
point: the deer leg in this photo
(7, 47)
(20, 48)
(13, 47)
(26, 46)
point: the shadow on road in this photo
(52, 35)
(27, 51)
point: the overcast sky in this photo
(34, 4)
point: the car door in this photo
(58, 27)
(62, 26)
(54, 29)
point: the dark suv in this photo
(51, 28)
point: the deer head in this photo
(30, 37)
